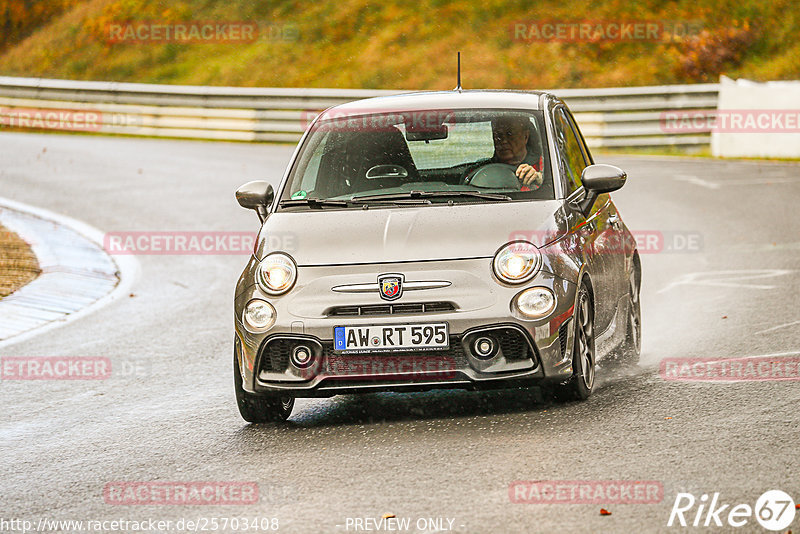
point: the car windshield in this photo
(421, 158)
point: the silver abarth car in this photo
(461, 239)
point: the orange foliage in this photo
(19, 18)
(703, 57)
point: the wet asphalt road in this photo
(446, 454)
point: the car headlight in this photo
(277, 273)
(259, 315)
(535, 303)
(517, 262)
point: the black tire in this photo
(627, 354)
(580, 385)
(257, 408)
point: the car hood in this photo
(390, 235)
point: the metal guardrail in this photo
(609, 117)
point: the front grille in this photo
(275, 354)
(391, 309)
(513, 344)
(453, 357)
(435, 307)
(563, 332)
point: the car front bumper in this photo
(529, 350)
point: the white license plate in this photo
(384, 338)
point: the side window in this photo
(309, 180)
(311, 159)
(586, 154)
(570, 156)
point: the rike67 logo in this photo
(774, 510)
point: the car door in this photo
(614, 242)
(590, 228)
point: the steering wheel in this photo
(495, 176)
(387, 171)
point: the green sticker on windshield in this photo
(300, 194)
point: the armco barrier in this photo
(609, 117)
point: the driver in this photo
(510, 134)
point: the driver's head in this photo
(510, 134)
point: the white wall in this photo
(774, 132)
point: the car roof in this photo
(440, 100)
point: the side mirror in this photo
(602, 178)
(256, 196)
(597, 179)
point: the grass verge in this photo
(18, 264)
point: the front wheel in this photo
(580, 385)
(627, 354)
(257, 408)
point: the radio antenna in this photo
(458, 87)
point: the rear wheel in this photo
(580, 385)
(257, 408)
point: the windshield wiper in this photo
(318, 203)
(312, 202)
(429, 194)
(389, 199)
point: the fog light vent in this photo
(484, 347)
(302, 356)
